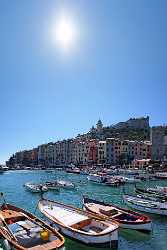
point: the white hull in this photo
(96, 179)
(64, 217)
(91, 240)
(35, 189)
(140, 223)
(132, 181)
(141, 227)
(146, 209)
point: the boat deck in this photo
(9, 214)
(68, 217)
(104, 210)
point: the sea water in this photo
(11, 184)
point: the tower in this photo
(99, 125)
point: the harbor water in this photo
(11, 184)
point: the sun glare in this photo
(64, 33)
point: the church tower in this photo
(99, 125)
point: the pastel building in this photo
(93, 151)
(102, 152)
(42, 154)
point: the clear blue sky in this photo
(118, 69)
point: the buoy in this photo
(44, 234)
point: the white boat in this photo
(145, 205)
(161, 189)
(51, 186)
(65, 184)
(96, 178)
(130, 180)
(126, 218)
(161, 175)
(35, 188)
(80, 225)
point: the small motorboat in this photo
(125, 218)
(112, 182)
(65, 184)
(35, 188)
(73, 170)
(131, 180)
(80, 225)
(146, 205)
(162, 189)
(52, 186)
(97, 178)
(151, 192)
(161, 175)
(21, 230)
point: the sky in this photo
(116, 68)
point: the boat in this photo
(96, 178)
(73, 170)
(161, 175)
(51, 185)
(131, 180)
(162, 189)
(151, 197)
(145, 205)
(80, 225)
(65, 184)
(126, 218)
(35, 188)
(21, 230)
(151, 192)
(112, 182)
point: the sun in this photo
(64, 33)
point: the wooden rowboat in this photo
(21, 230)
(125, 218)
(80, 225)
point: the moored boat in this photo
(21, 230)
(96, 178)
(146, 205)
(151, 192)
(161, 175)
(131, 180)
(73, 170)
(65, 184)
(35, 188)
(112, 182)
(125, 218)
(52, 186)
(80, 225)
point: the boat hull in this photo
(145, 225)
(140, 227)
(146, 209)
(107, 239)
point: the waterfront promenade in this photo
(11, 183)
